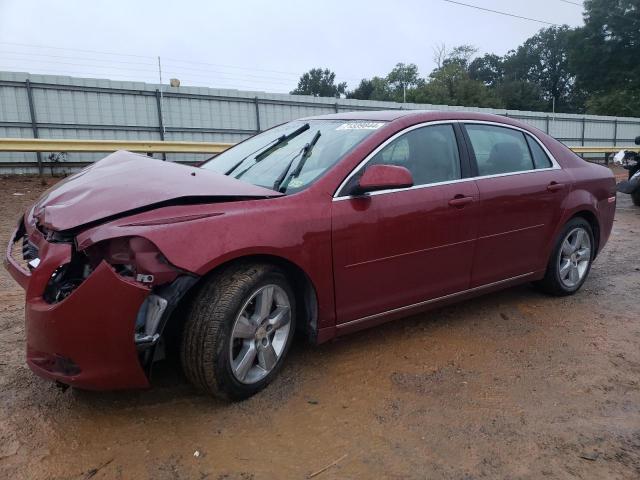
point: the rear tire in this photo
(570, 260)
(238, 331)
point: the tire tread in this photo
(208, 324)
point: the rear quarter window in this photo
(540, 158)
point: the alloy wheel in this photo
(259, 334)
(575, 257)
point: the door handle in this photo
(460, 201)
(555, 186)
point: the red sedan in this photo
(324, 226)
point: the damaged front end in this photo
(95, 316)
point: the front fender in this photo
(211, 235)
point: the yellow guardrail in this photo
(603, 149)
(57, 145)
(151, 146)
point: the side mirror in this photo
(384, 177)
(637, 140)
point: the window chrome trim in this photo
(554, 163)
(336, 198)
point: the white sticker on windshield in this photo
(360, 126)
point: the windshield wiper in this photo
(269, 148)
(280, 184)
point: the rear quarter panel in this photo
(592, 188)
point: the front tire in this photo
(570, 260)
(239, 330)
(635, 198)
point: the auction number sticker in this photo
(360, 126)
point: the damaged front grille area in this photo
(17, 256)
(24, 252)
(29, 249)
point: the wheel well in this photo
(304, 291)
(595, 227)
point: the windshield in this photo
(291, 156)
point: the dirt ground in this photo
(511, 385)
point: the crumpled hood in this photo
(127, 182)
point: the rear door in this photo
(521, 194)
(401, 247)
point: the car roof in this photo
(411, 115)
(380, 115)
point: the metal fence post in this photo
(160, 119)
(547, 125)
(256, 100)
(584, 122)
(615, 132)
(34, 122)
(336, 107)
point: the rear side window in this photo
(429, 153)
(499, 149)
(540, 159)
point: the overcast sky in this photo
(256, 45)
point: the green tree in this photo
(488, 69)
(451, 84)
(319, 83)
(625, 103)
(543, 59)
(520, 95)
(376, 88)
(605, 56)
(402, 78)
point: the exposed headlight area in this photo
(135, 259)
(66, 278)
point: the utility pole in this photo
(161, 97)
(161, 109)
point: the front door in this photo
(402, 247)
(521, 193)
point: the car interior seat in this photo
(505, 157)
(430, 159)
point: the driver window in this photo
(429, 153)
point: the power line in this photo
(617, 15)
(148, 73)
(499, 12)
(73, 57)
(208, 70)
(140, 56)
(233, 66)
(176, 74)
(66, 72)
(77, 50)
(252, 69)
(283, 76)
(58, 62)
(28, 56)
(213, 83)
(172, 69)
(573, 3)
